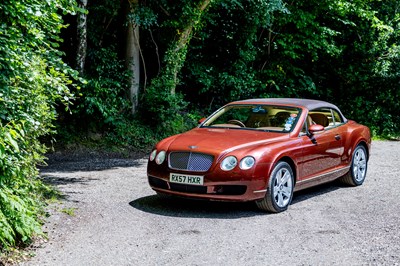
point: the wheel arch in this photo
(290, 161)
(365, 145)
(358, 135)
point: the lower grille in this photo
(188, 188)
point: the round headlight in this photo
(247, 163)
(153, 155)
(160, 158)
(229, 163)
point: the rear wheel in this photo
(280, 189)
(358, 168)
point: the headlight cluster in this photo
(230, 162)
(247, 163)
(160, 157)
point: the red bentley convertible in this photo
(261, 150)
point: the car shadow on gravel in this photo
(316, 191)
(188, 208)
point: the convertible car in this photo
(261, 150)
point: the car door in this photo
(321, 152)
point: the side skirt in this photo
(320, 179)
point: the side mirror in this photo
(312, 129)
(315, 128)
(202, 120)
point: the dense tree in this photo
(224, 60)
(33, 79)
(208, 53)
(160, 101)
(342, 51)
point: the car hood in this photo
(217, 140)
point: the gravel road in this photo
(116, 219)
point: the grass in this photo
(69, 211)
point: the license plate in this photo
(186, 179)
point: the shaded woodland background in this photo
(345, 52)
(132, 72)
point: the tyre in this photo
(280, 189)
(358, 168)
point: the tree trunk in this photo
(176, 54)
(82, 38)
(133, 58)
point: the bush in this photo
(105, 96)
(33, 79)
(20, 202)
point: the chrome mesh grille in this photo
(190, 161)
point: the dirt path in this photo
(118, 220)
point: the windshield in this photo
(255, 117)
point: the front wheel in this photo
(280, 189)
(358, 168)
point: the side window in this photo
(327, 118)
(307, 124)
(337, 118)
(321, 117)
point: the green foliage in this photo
(160, 103)
(103, 100)
(143, 16)
(323, 49)
(342, 51)
(105, 95)
(33, 79)
(368, 68)
(221, 63)
(162, 110)
(69, 211)
(133, 133)
(19, 205)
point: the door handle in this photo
(338, 137)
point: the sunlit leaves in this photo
(33, 79)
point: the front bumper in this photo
(245, 190)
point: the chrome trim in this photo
(260, 191)
(319, 176)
